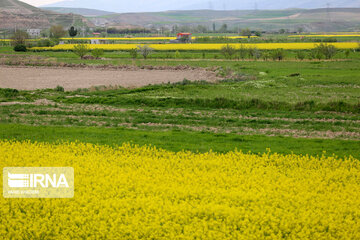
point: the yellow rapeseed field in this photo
(146, 38)
(132, 192)
(28, 40)
(121, 38)
(127, 38)
(327, 35)
(216, 46)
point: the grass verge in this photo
(181, 140)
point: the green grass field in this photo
(305, 107)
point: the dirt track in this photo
(31, 78)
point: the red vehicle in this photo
(182, 38)
(183, 35)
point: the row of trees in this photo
(321, 51)
(183, 28)
(229, 52)
(224, 28)
(56, 32)
(82, 50)
(128, 31)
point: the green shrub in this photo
(316, 54)
(255, 53)
(81, 50)
(347, 53)
(59, 89)
(133, 53)
(326, 50)
(20, 48)
(8, 92)
(177, 54)
(278, 54)
(300, 55)
(46, 43)
(228, 51)
(330, 39)
(97, 53)
(243, 52)
(266, 55)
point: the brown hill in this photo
(17, 14)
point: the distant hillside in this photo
(17, 14)
(80, 11)
(336, 19)
(272, 4)
(125, 6)
(15, 6)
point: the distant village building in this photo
(98, 41)
(34, 32)
(95, 41)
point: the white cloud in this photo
(38, 3)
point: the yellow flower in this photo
(200, 46)
(133, 192)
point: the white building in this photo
(98, 41)
(34, 32)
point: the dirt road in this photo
(31, 78)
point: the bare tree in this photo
(19, 37)
(145, 50)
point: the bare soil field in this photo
(31, 78)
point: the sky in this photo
(38, 3)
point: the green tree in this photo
(315, 53)
(278, 54)
(228, 51)
(246, 32)
(258, 34)
(328, 50)
(255, 53)
(300, 55)
(266, 55)
(57, 31)
(73, 32)
(243, 52)
(201, 29)
(224, 28)
(347, 53)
